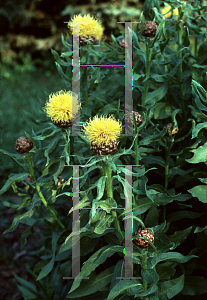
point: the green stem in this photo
(107, 172)
(31, 169)
(148, 62)
(144, 265)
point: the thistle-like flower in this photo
(62, 108)
(89, 28)
(103, 133)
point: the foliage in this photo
(168, 187)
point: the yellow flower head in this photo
(88, 26)
(103, 130)
(62, 106)
(165, 9)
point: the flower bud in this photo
(123, 44)
(23, 144)
(143, 232)
(168, 126)
(150, 30)
(129, 118)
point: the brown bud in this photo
(150, 30)
(23, 144)
(123, 44)
(129, 118)
(143, 232)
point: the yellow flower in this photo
(103, 130)
(166, 9)
(62, 106)
(88, 26)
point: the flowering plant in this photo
(101, 208)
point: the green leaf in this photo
(185, 214)
(48, 268)
(162, 110)
(59, 170)
(42, 138)
(165, 270)
(180, 236)
(99, 257)
(97, 215)
(13, 178)
(169, 75)
(118, 272)
(103, 224)
(28, 290)
(82, 204)
(186, 40)
(25, 235)
(172, 256)
(100, 188)
(194, 285)
(67, 54)
(172, 287)
(149, 159)
(199, 191)
(21, 218)
(157, 95)
(141, 205)
(200, 155)
(108, 109)
(14, 157)
(50, 148)
(152, 278)
(198, 128)
(152, 217)
(135, 42)
(62, 74)
(68, 46)
(59, 60)
(93, 285)
(156, 137)
(200, 229)
(122, 286)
